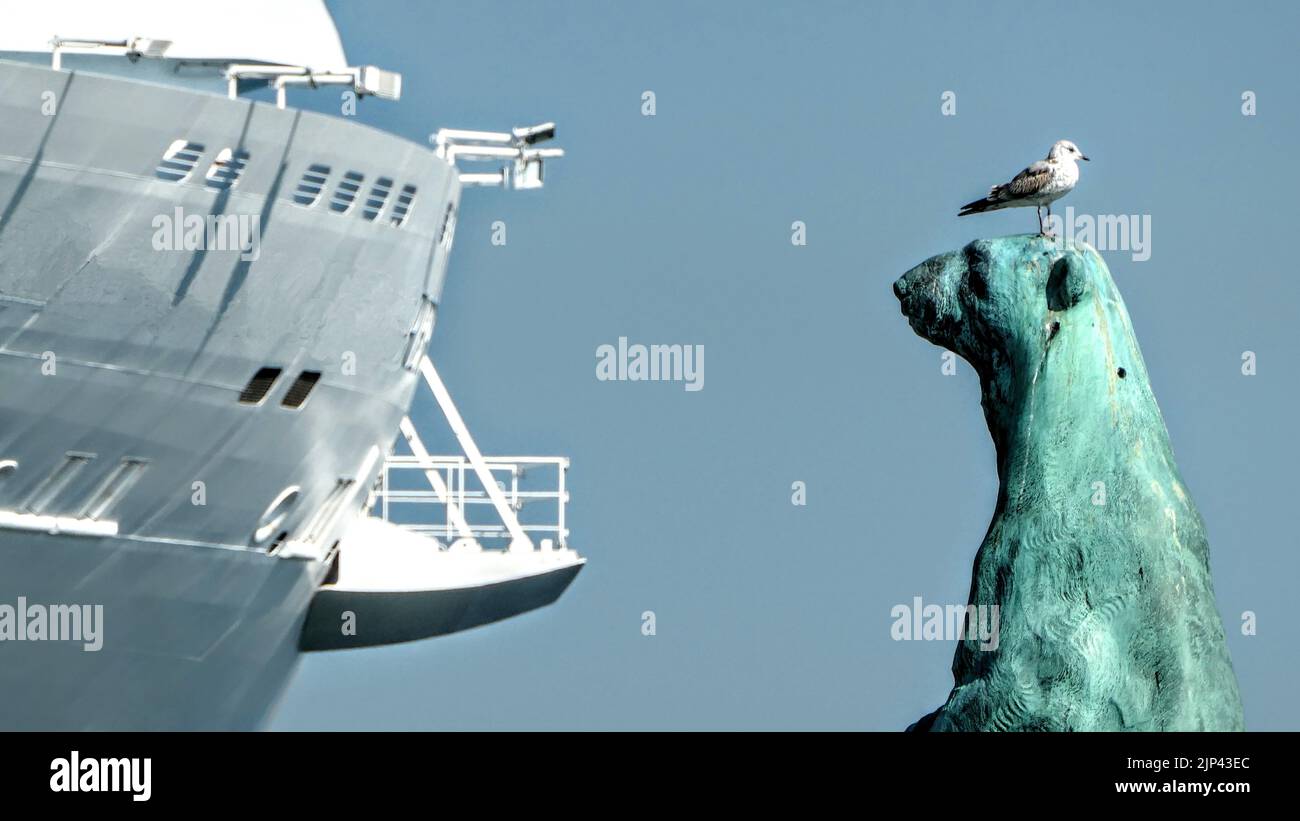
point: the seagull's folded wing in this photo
(1029, 182)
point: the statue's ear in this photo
(1067, 282)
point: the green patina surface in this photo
(1107, 613)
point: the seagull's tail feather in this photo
(994, 201)
(976, 207)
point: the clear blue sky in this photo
(676, 229)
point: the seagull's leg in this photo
(1049, 216)
(1041, 232)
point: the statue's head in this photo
(1042, 324)
(997, 302)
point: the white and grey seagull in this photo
(1041, 184)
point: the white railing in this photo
(534, 487)
(363, 79)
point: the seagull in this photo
(1041, 184)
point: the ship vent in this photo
(259, 386)
(178, 161)
(311, 185)
(345, 193)
(226, 169)
(113, 488)
(402, 208)
(54, 484)
(300, 389)
(448, 232)
(418, 337)
(378, 197)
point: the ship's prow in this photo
(214, 320)
(403, 586)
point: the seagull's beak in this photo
(1083, 157)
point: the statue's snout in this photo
(926, 295)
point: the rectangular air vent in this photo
(378, 196)
(300, 389)
(226, 169)
(178, 161)
(402, 208)
(113, 488)
(53, 485)
(345, 193)
(259, 386)
(311, 185)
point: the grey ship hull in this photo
(150, 352)
(194, 638)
